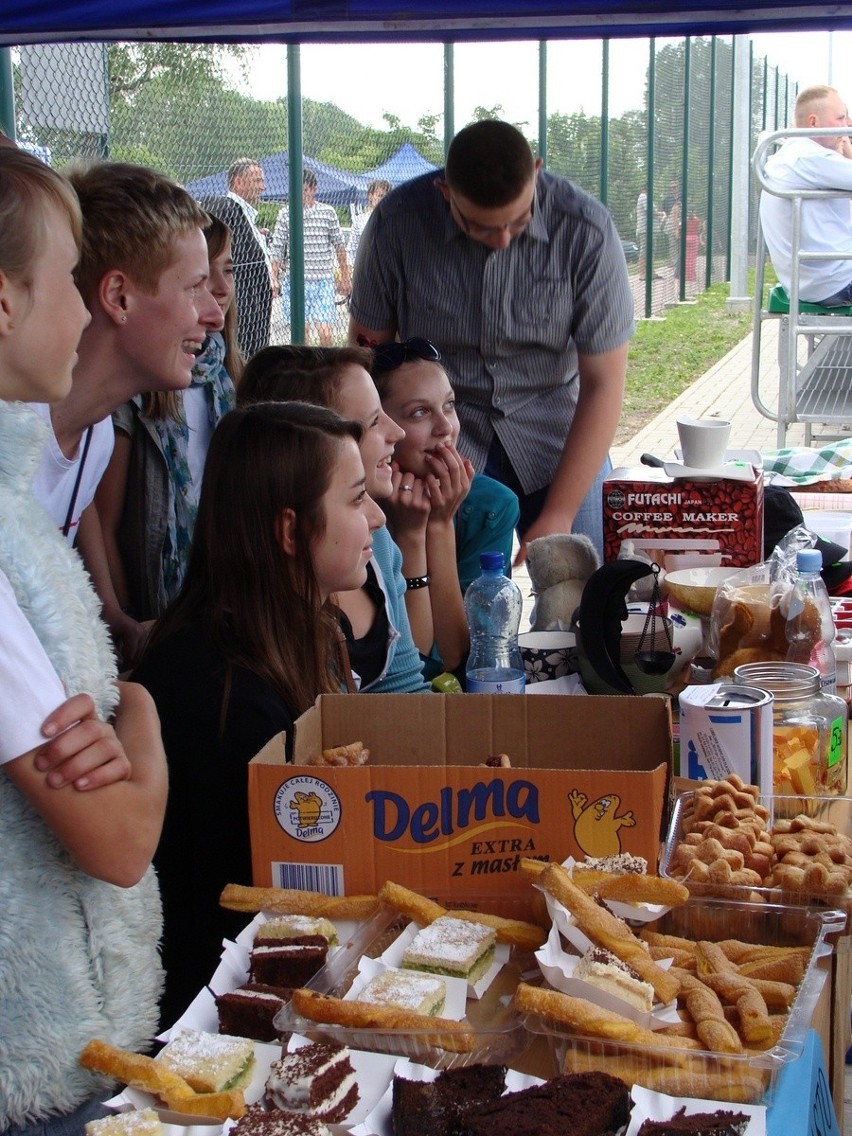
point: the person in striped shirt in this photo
(324, 247)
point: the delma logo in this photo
(615, 499)
(307, 808)
(427, 822)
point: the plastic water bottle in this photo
(810, 586)
(493, 606)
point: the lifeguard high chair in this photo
(814, 342)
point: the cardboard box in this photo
(589, 777)
(720, 521)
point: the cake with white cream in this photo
(458, 948)
(209, 1062)
(603, 969)
(283, 928)
(407, 990)
(317, 1079)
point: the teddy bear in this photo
(559, 566)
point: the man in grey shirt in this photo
(519, 278)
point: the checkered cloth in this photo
(797, 465)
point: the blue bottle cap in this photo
(492, 560)
(809, 560)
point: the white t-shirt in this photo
(802, 163)
(359, 220)
(31, 687)
(56, 476)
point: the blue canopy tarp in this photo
(402, 166)
(326, 21)
(334, 186)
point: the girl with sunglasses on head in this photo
(80, 814)
(284, 521)
(374, 619)
(453, 513)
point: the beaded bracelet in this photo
(415, 582)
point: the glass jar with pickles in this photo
(809, 730)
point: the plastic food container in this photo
(834, 810)
(748, 1077)
(500, 1035)
(831, 525)
(809, 732)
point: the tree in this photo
(482, 114)
(668, 145)
(194, 130)
(359, 148)
(175, 104)
(574, 151)
(132, 65)
(627, 168)
(574, 148)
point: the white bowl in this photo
(694, 589)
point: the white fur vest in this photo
(78, 957)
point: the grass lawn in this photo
(667, 355)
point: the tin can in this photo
(726, 728)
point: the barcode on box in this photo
(327, 878)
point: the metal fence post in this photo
(449, 96)
(649, 191)
(684, 167)
(738, 213)
(731, 129)
(604, 175)
(542, 102)
(295, 204)
(777, 98)
(7, 93)
(711, 159)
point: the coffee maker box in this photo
(684, 522)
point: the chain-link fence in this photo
(196, 110)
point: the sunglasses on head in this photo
(389, 356)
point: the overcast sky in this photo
(407, 79)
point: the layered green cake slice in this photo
(453, 947)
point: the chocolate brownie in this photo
(432, 1108)
(250, 1011)
(258, 1121)
(723, 1122)
(289, 964)
(574, 1104)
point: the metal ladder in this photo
(817, 389)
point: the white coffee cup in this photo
(703, 441)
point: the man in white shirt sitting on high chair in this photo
(820, 162)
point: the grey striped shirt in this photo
(322, 237)
(509, 322)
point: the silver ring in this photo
(406, 488)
